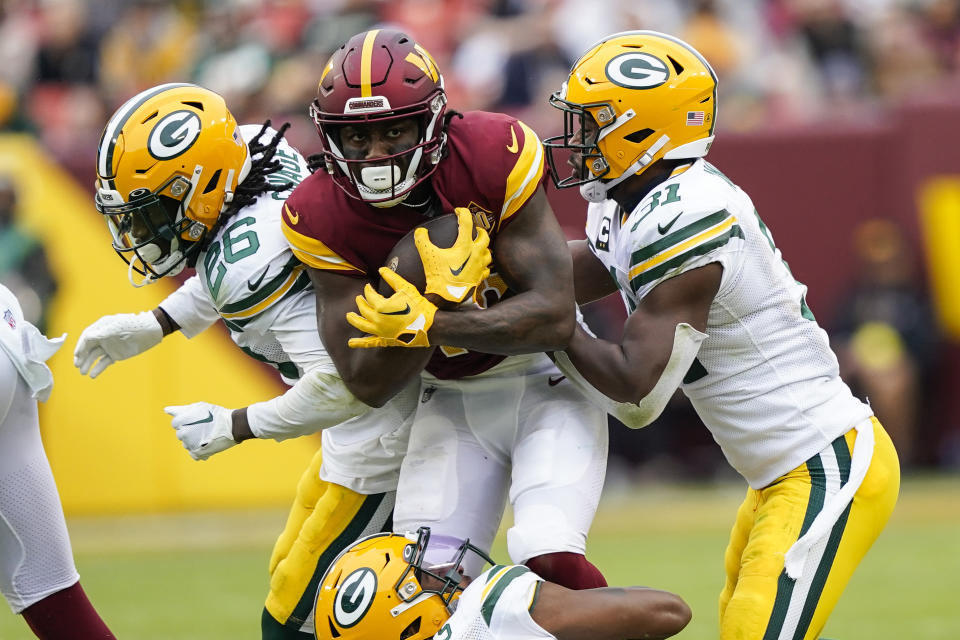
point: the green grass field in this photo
(203, 576)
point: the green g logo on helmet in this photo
(174, 134)
(354, 597)
(637, 70)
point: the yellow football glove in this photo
(454, 273)
(402, 320)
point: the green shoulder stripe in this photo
(238, 324)
(493, 595)
(658, 271)
(264, 291)
(678, 236)
(494, 570)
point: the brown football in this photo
(405, 259)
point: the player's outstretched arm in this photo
(629, 370)
(532, 257)
(610, 613)
(120, 336)
(591, 281)
(318, 400)
(372, 375)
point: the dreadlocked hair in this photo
(255, 184)
(317, 160)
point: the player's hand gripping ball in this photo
(399, 314)
(453, 267)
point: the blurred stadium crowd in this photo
(67, 64)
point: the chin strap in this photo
(596, 191)
(132, 274)
(149, 278)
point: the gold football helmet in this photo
(378, 589)
(633, 98)
(169, 161)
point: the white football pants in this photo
(518, 430)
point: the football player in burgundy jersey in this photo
(494, 418)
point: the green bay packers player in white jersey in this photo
(381, 588)
(180, 184)
(714, 310)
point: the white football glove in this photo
(113, 338)
(203, 428)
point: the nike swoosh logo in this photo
(209, 418)
(513, 147)
(456, 272)
(398, 313)
(256, 283)
(294, 217)
(664, 228)
(555, 380)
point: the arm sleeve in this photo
(318, 400)
(686, 345)
(191, 307)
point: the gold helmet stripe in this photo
(366, 63)
(434, 72)
(326, 70)
(423, 64)
(108, 141)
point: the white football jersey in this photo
(496, 606)
(765, 381)
(27, 348)
(249, 278)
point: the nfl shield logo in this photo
(8, 316)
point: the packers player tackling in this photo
(714, 310)
(180, 184)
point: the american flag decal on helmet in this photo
(695, 118)
(8, 316)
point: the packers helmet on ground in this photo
(633, 98)
(380, 76)
(378, 589)
(169, 160)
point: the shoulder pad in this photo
(667, 230)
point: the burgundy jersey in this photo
(493, 165)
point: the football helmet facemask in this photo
(168, 163)
(634, 98)
(381, 76)
(378, 589)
